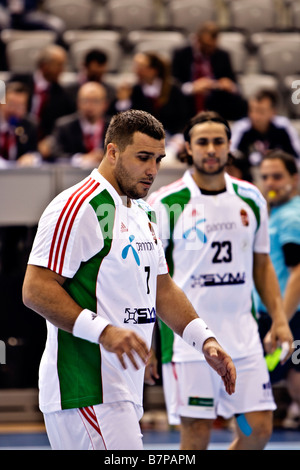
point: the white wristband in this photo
(196, 333)
(88, 325)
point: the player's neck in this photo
(210, 182)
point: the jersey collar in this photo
(193, 187)
(118, 200)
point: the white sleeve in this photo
(262, 240)
(63, 242)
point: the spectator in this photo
(238, 166)
(280, 180)
(94, 68)
(207, 76)
(264, 130)
(79, 137)
(48, 99)
(18, 131)
(30, 15)
(155, 92)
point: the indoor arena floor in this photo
(153, 440)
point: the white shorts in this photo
(195, 390)
(113, 426)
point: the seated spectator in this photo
(18, 131)
(48, 99)
(79, 138)
(30, 15)
(238, 166)
(155, 92)
(264, 130)
(207, 76)
(94, 68)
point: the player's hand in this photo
(280, 336)
(126, 344)
(219, 360)
(151, 371)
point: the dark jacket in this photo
(59, 104)
(230, 106)
(25, 136)
(68, 137)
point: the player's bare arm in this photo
(267, 287)
(43, 292)
(174, 308)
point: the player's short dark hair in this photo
(287, 159)
(123, 126)
(267, 93)
(17, 87)
(205, 116)
(95, 55)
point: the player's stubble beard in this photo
(127, 186)
(203, 171)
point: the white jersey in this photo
(111, 256)
(209, 243)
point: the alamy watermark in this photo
(296, 94)
(2, 352)
(296, 354)
(2, 92)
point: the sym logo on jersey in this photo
(211, 280)
(140, 315)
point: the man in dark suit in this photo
(48, 99)
(18, 130)
(79, 138)
(207, 76)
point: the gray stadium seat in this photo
(73, 35)
(163, 42)
(127, 15)
(74, 13)
(250, 83)
(41, 36)
(280, 58)
(234, 43)
(23, 48)
(251, 16)
(258, 39)
(188, 15)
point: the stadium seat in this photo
(41, 36)
(234, 43)
(126, 15)
(250, 83)
(23, 48)
(294, 12)
(190, 14)
(251, 16)
(163, 42)
(74, 13)
(73, 35)
(258, 39)
(280, 58)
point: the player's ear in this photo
(112, 152)
(188, 148)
